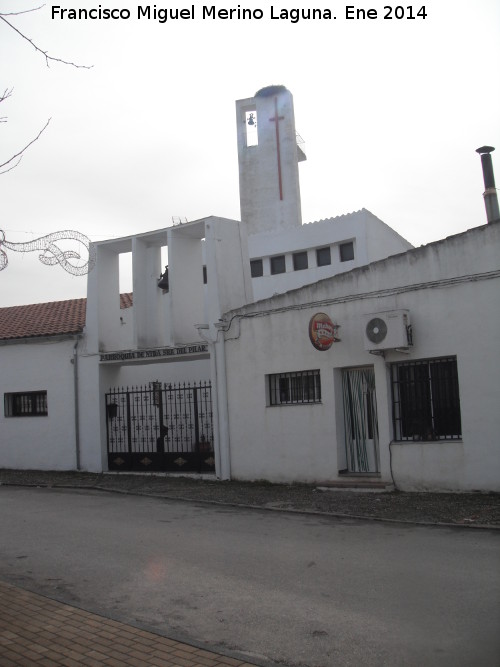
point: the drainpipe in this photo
(220, 360)
(219, 399)
(490, 192)
(77, 410)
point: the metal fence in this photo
(161, 426)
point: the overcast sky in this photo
(391, 112)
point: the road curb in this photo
(290, 510)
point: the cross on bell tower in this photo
(276, 120)
(268, 158)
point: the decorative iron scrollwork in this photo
(52, 254)
(173, 432)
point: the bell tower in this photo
(268, 157)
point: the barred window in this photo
(26, 404)
(294, 388)
(425, 400)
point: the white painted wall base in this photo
(39, 442)
(451, 289)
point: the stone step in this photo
(356, 483)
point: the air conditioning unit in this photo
(389, 330)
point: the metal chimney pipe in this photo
(490, 192)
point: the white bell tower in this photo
(268, 157)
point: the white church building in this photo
(325, 352)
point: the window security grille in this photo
(27, 404)
(295, 388)
(425, 400)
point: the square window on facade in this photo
(256, 268)
(26, 404)
(323, 256)
(425, 400)
(278, 264)
(294, 388)
(300, 261)
(346, 251)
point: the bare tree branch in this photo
(6, 93)
(20, 153)
(37, 48)
(12, 166)
(13, 161)
(23, 11)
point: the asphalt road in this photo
(288, 588)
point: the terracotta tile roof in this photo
(55, 318)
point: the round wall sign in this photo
(322, 331)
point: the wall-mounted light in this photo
(156, 387)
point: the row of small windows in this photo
(300, 260)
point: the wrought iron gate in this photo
(163, 427)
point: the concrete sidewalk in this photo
(36, 630)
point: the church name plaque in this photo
(156, 353)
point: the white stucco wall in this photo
(92, 452)
(169, 372)
(453, 315)
(293, 442)
(45, 442)
(373, 240)
(157, 319)
(263, 206)
(462, 321)
(381, 240)
(97, 378)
